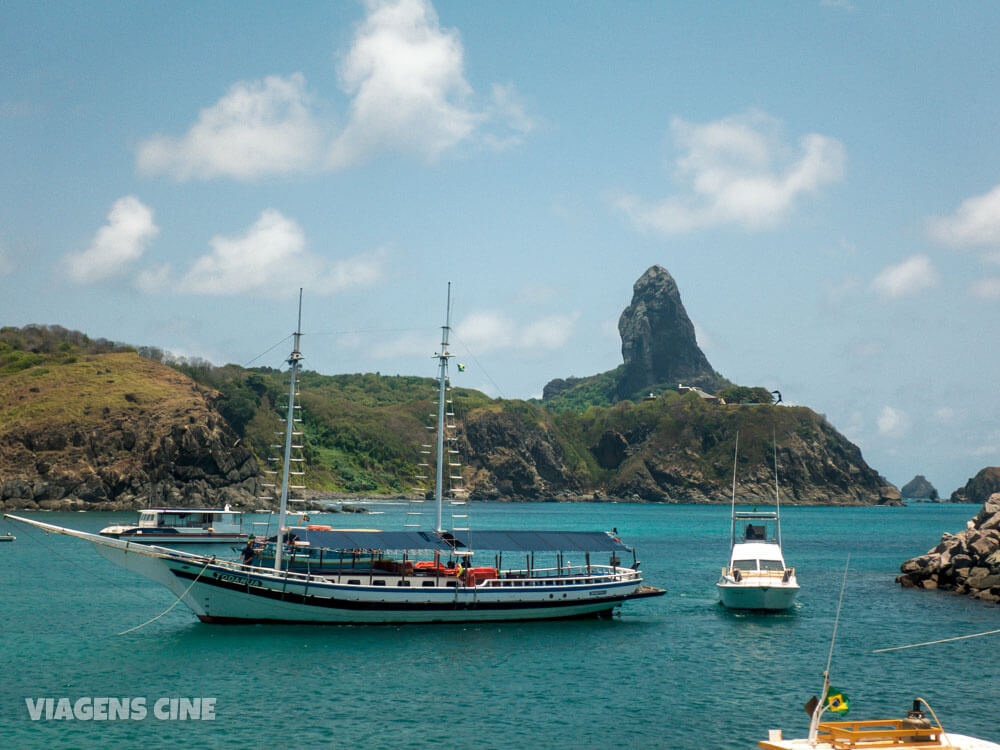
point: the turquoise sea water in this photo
(674, 672)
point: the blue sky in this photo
(821, 179)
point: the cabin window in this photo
(427, 583)
(745, 564)
(353, 582)
(771, 565)
(403, 583)
(378, 582)
(451, 584)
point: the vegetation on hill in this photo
(362, 433)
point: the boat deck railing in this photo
(738, 574)
(887, 733)
(564, 576)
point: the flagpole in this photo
(821, 706)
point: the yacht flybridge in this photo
(381, 576)
(756, 576)
(182, 525)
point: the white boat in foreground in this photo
(756, 577)
(182, 526)
(429, 576)
(913, 732)
(918, 730)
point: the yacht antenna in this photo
(442, 358)
(732, 513)
(293, 359)
(777, 496)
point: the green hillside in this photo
(363, 432)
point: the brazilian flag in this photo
(836, 701)
(461, 368)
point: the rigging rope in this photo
(39, 536)
(268, 351)
(154, 619)
(934, 643)
(478, 364)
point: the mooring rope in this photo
(209, 562)
(934, 643)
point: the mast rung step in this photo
(411, 525)
(452, 464)
(460, 528)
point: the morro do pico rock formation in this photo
(658, 339)
(964, 563)
(919, 487)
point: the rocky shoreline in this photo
(966, 563)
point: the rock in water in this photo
(979, 488)
(658, 340)
(919, 487)
(964, 563)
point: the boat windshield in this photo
(750, 565)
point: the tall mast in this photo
(777, 496)
(442, 357)
(732, 513)
(293, 359)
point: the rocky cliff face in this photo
(138, 434)
(515, 458)
(964, 563)
(919, 487)
(979, 488)
(658, 339)
(675, 450)
(816, 465)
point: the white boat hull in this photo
(152, 537)
(748, 594)
(226, 592)
(952, 742)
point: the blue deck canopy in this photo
(499, 541)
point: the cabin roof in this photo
(500, 541)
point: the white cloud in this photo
(988, 288)
(892, 422)
(257, 128)
(123, 239)
(548, 333)
(271, 258)
(410, 94)
(486, 331)
(153, 280)
(412, 344)
(737, 170)
(913, 275)
(975, 222)
(405, 77)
